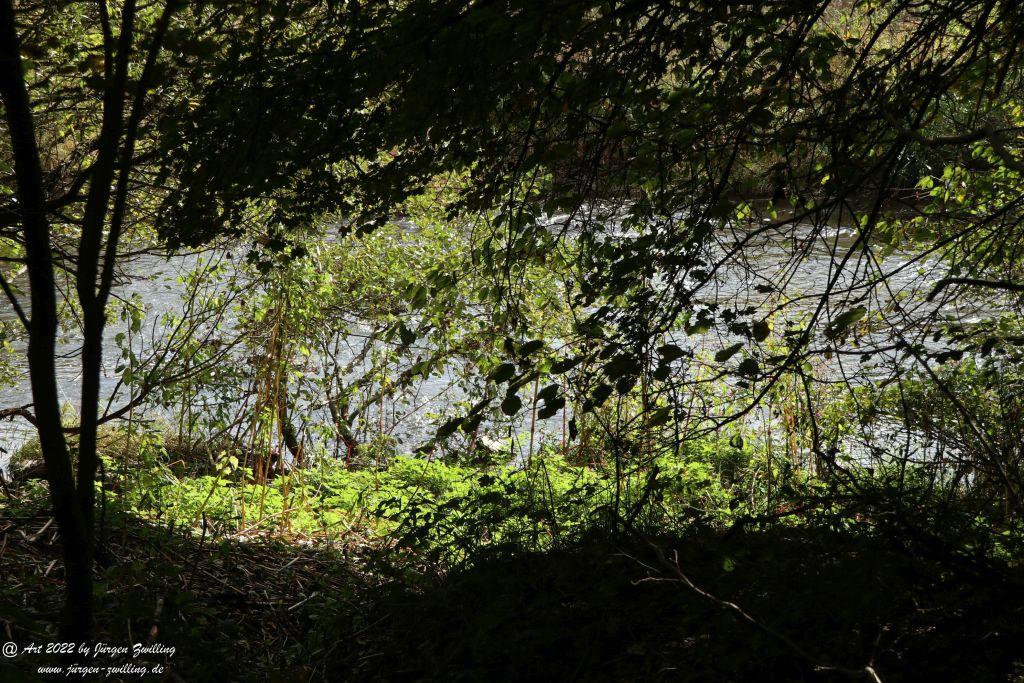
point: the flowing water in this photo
(804, 260)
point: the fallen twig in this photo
(867, 670)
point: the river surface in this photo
(802, 262)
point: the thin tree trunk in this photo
(90, 252)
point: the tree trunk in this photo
(75, 537)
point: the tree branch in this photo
(974, 282)
(15, 304)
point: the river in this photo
(802, 260)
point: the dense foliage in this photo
(499, 314)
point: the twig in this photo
(803, 654)
(303, 601)
(35, 537)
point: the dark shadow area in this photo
(597, 612)
(594, 609)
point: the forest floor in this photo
(816, 604)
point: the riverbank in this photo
(433, 571)
(597, 608)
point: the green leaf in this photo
(531, 347)
(548, 392)
(564, 365)
(502, 373)
(659, 417)
(511, 405)
(551, 406)
(417, 295)
(843, 322)
(748, 367)
(700, 327)
(728, 352)
(621, 365)
(406, 335)
(670, 352)
(600, 394)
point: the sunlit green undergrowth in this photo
(430, 503)
(448, 512)
(446, 509)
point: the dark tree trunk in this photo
(74, 502)
(92, 289)
(75, 537)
